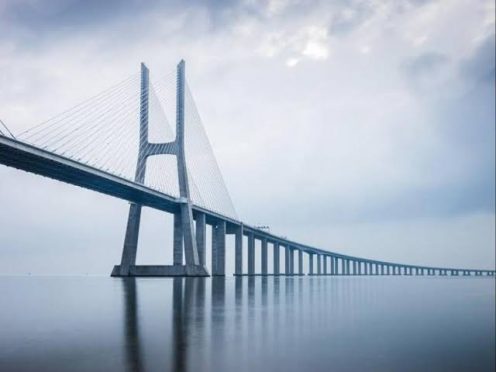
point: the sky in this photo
(362, 127)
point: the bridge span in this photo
(190, 218)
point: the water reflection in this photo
(248, 323)
(131, 326)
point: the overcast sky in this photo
(363, 127)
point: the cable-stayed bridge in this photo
(121, 143)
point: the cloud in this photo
(480, 66)
(425, 64)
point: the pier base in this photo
(162, 270)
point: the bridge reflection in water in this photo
(319, 324)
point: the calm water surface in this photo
(247, 324)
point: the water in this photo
(247, 324)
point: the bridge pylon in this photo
(185, 240)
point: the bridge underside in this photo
(162, 270)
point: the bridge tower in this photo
(184, 233)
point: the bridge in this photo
(104, 144)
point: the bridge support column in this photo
(201, 238)
(238, 251)
(177, 258)
(319, 264)
(264, 257)
(276, 258)
(131, 240)
(251, 254)
(287, 260)
(300, 262)
(310, 263)
(324, 263)
(291, 261)
(219, 249)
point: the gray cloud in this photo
(480, 67)
(425, 64)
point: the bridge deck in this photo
(29, 158)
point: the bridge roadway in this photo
(32, 159)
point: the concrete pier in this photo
(265, 268)
(219, 249)
(287, 260)
(129, 251)
(251, 254)
(177, 258)
(201, 238)
(291, 261)
(300, 262)
(238, 251)
(276, 258)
